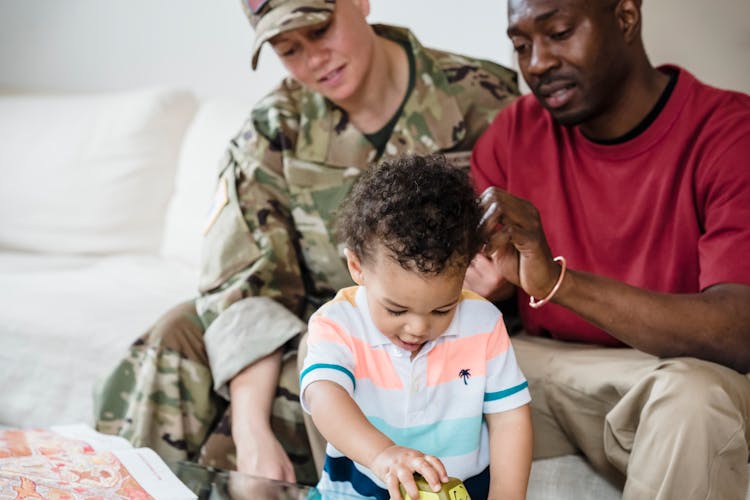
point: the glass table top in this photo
(209, 483)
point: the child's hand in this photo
(397, 464)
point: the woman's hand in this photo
(396, 465)
(259, 453)
(264, 456)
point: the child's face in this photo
(408, 308)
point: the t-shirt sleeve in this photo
(724, 246)
(486, 166)
(329, 357)
(506, 386)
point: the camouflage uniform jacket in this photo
(269, 255)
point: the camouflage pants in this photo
(161, 396)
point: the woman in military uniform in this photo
(356, 94)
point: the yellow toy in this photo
(454, 489)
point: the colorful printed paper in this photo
(77, 463)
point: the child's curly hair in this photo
(421, 209)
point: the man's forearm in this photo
(713, 325)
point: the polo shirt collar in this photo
(375, 338)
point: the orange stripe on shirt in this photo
(322, 329)
(369, 363)
(448, 358)
(499, 341)
(376, 365)
(469, 295)
(347, 294)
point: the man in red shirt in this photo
(637, 178)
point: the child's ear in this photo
(355, 266)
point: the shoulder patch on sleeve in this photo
(221, 198)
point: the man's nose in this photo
(542, 58)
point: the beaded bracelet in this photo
(535, 304)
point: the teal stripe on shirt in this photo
(330, 366)
(448, 438)
(494, 396)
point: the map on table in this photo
(75, 462)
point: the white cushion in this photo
(569, 477)
(89, 174)
(66, 320)
(215, 123)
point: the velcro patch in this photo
(221, 198)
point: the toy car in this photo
(454, 489)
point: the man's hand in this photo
(484, 277)
(516, 241)
(713, 324)
(396, 465)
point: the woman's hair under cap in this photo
(271, 17)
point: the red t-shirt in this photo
(668, 210)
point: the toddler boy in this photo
(407, 372)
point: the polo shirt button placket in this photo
(418, 385)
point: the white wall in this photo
(200, 44)
(108, 44)
(711, 38)
(81, 45)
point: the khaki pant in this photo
(659, 428)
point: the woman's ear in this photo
(364, 7)
(355, 266)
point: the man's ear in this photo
(628, 14)
(355, 266)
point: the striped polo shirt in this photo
(434, 403)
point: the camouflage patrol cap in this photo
(271, 17)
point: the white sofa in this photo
(102, 201)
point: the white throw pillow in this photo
(217, 121)
(89, 173)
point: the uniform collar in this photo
(427, 123)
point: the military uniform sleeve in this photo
(252, 292)
(482, 89)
